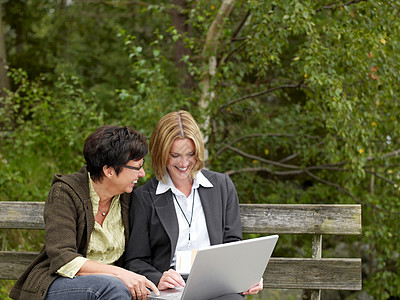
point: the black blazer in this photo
(154, 224)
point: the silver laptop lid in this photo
(229, 268)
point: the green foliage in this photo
(383, 245)
(153, 92)
(5, 286)
(43, 133)
(304, 109)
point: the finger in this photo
(142, 294)
(141, 297)
(176, 277)
(259, 286)
(152, 286)
(170, 282)
(251, 292)
(133, 293)
(165, 285)
(139, 288)
(136, 292)
(173, 277)
(254, 290)
(176, 281)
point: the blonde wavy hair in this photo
(174, 125)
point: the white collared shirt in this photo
(199, 237)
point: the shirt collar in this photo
(199, 179)
(93, 195)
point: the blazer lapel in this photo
(212, 213)
(165, 210)
(125, 203)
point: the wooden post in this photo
(316, 253)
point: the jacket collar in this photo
(163, 203)
(199, 180)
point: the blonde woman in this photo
(183, 208)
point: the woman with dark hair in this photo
(183, 208)
(87, 225)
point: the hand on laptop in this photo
(137, 284)
(255, 288)
(170, 279)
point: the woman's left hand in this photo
(255, 288)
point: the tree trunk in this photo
(210, 65)
(210, 51)
(4, 80)
(179, 20)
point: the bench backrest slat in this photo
(301, 219)
(21, 215)
(256, 218)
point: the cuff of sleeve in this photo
(70, 269)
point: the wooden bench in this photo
(314, 273)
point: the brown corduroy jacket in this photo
(69, 220)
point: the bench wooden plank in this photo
(256, 218)
(13, 264)
(21, 215)
(287, 273)
(301, 219)
(309, 273)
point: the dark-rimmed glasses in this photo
(134, 168)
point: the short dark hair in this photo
(112, 146)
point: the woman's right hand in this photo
(138, 284)
(170, 279)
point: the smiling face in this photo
(181, 160)
(127, 178)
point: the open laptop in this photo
(224, 269)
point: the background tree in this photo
(4, 81)
(298, 100)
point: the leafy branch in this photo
(258, 94)
(298, 170)
(335, 5)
